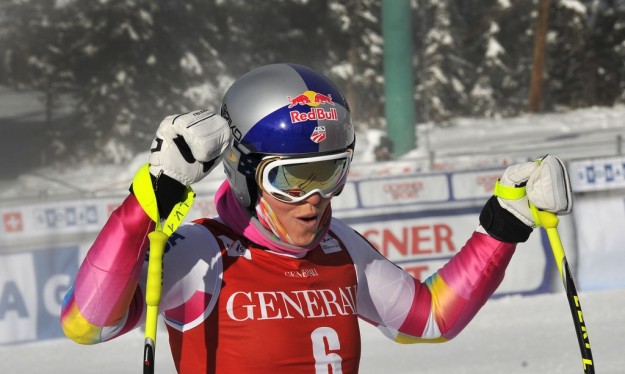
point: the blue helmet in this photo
(285, 110)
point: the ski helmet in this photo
(284, 110)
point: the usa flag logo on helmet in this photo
(319, 134)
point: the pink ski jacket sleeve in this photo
(410, 311)
(104, 301)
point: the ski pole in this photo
(158, 240)
(549, 221)
(142, 186)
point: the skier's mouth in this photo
(308, 220)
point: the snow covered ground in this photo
(511, 335)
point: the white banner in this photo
(54, 219)
(399, 191)
(474, 184)
(597, 174)
(32, 287)
(600, 222)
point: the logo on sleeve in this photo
(330, 245)
(235, 248)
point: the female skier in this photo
(275, 284)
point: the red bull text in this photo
(313, 100)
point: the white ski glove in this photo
(544, 183)
(188, 146)
(547, 186)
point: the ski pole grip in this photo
(158, 239)
(543, 218)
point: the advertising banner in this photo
(32, 287)
(54, 219)
(597, 174)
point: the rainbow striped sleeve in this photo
(104, 301)
(457, 291)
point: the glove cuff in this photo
(501, 224)
(168, 193)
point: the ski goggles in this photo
(292, 180)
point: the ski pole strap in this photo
(144, 192)
(508, 192)
(541, 217)
(180, 211)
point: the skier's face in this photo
(300, 220)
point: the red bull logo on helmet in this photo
(312, 99)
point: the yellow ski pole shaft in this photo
(158, 240)
(549, 221)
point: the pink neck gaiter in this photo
(243, 223)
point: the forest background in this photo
(104, 73)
